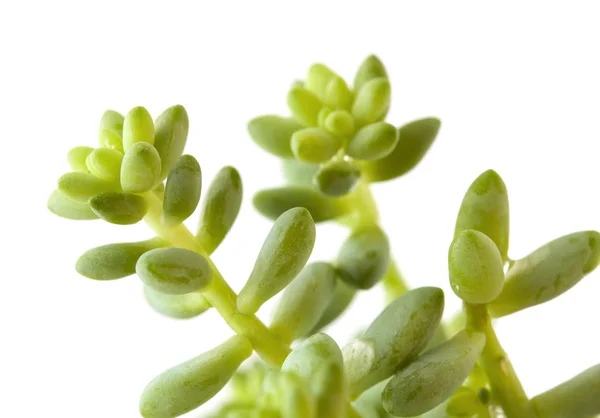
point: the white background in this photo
(517, 87)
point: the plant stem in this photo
(393, 283)
(506, 387)
(218, 293)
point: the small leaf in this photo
(188, 385)
(140, 169)
(370, 69)
(337, 178)
(274, 134)
(314, 145)
(318, 78)
(304, 105)
(343, 295)
(373, 141)
(283, 254)
(364, 257)
(112, 120)
(433, 377)
(339, 123)
(61, 205)
(114, 261)
(105, 163)
(110, 131)
(414, 140)
(137, 127)
(82, 186)
(183, 306)
(372, 102)
(220, 208)
(337, 94)
(172, 128)
(182, 192)
(304, 301)
(77, 158)
(119, 208)
(298, 173)
(174, 271)
(548, 272)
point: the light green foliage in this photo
(485, 209)
(174, 271)
(110, 131)
(119, 208)
(337, 178)
(105, 163)
(319, 361)
(140, 168)
(59, 204)
(463, 403)
(298, 173)
(183, 306)
(182, 191)
(373, 141)
(339, 123)
(114, 261)
(414, 140)
(138, 126)
(548, 272)
(433, 377)
(371, 68)
(172, 128)
(190, 384)
(343, 295)
(304, 105)
(369, 404)
(273, 202)
(304, 301)
(338, 94)
(364, 257)
(82, 186)
(476, 267)
(575, 398)
(318, 78)
(283, 254)
(220, 208)
(77, 157)
(313, 145)
(394, 338)
(274, 134)
(372, 102)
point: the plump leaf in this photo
(304, 105)
(110, 131)
(343, 295)
(372, 101)
(371, 68)
(182, 192)
(339, 123)
(433, 377)
(297, 172)
(172, 128)
(183, 306)
(337, 178)
(188, 385)
(318, 78)
(105, 163)
(476, 267)
(119, 208)
(338, 94)
(138, 126)
(304, 301)
(114, 261)
(82, 186)
(76, 157)
(220, 208)
(364, 257)
(175, 271)
(548, 272)
(140, 168)
(414, 140)
(373, 141)
(274, 134)
(59, 204)
(314, 145)
(283, 254)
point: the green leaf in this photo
(463, 403)
(59, 204)
(343, 295)
(370, 69)
(114, 261)
(298, 173)
(82, 186)
(339, 123)
(314, 145)
(433, 377)
(337, 178)
(364, 257)
(188, 385)
(140, 169)
(220, 208)
(304, 301)
(274, 134)
(318, 78)
(394, 339)
(182, 192)
(110, 131)
(373, 141)
(112, 120)
(138, 126)
(174, 271)
(485, 209)
(172, 128)
(476, 267)
(369, 403)
(77, 156)
(318, 360)
(548, 272)
(283, 254)
(183, 306)
(273, 202)
(575, 398)
(372, 101)
(304, 105)
(105, 163)
(338, 94)
(414, 140)
(119, 208)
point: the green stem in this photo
(506, 387)
(268, 346)
(393, 283)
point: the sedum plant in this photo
(335, 143)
